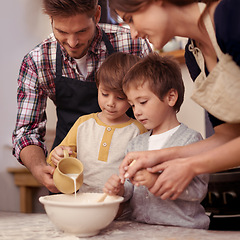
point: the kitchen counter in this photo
(37, 226)
(177, 55)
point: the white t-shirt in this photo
(157, 141)
(82, 65)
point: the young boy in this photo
(99, 140)
(155, 90)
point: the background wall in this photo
(22, 27)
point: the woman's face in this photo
(151, 23)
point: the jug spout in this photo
(68, 171)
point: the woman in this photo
(160, 21)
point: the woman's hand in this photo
(175, 177)
(58, 153)
(145, 159)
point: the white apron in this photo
(219, 92)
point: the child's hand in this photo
(114, 186)
(57, 154)
(143, 177)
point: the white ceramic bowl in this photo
(81, 215)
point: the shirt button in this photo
(109, 129)
(104, 144)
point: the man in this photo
(63, 68)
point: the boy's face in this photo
(150, 110)
(75, 33)
(113, 106)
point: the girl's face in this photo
(151, 23)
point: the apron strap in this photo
(210, 29)
(108, 44)
(58, 61)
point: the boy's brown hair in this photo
(113, 70)
(162, 74)
(66, 8)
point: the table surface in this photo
(37, 226)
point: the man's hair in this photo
(162, 74)
(113, 70)
(66, 8)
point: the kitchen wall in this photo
(22, 27)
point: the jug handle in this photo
(65, 153)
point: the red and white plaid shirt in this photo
(38, 71)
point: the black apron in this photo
(74, 98)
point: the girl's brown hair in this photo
(66, 8)
(162, 74)
(113, 70)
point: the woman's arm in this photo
(178, 173)
(219, 152)
(223, 153)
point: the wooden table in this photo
(26, 182)
(177, 54)
(20, 226)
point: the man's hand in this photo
(33, 158)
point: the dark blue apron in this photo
(74, 98)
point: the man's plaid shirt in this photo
(37, 74)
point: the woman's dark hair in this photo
(162, 74)
(135, 5)
(66, 8)
(131, 6)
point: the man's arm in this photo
(33, 157)
(31, 116)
